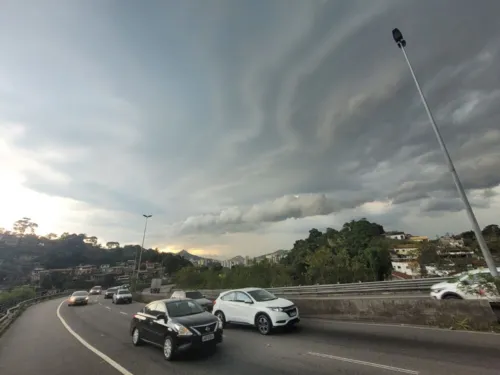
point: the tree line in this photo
(67, 251)
(357, 252)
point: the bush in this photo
(16, 294)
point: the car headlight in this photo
(437, 290)
(86, 298)
(220, 325)
(181, 330)
(72, 299)
(275, 308)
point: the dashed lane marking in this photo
(122, 370)
(365, 363)
(124, 313)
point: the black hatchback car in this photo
(176, 326)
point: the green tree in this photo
(24, 225)
(321, 267)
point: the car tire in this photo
(219, 314)
(168, 348)
(264, 324)
(451, 296)
(136, 337)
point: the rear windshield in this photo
(96, 287)
(123, 291)
(194, 295)
(80, 294)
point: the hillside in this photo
(191, 257)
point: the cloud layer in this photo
(214, 117)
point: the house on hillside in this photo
(418, 238)
(83, 270)
(395, 235)
(451, 242)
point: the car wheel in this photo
(136, 337)
(264, 324)
(451, 296)
(168, 348)
(219, 314)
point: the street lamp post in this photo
(142, 245)
(401, 42)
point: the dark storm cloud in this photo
(188, 108)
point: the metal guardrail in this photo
(374, 287)
(13, 312)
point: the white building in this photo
(396, 235)
(410, 268)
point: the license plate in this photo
(207, 337)
(293, 313)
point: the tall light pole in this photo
(401, 42)
(142, 245)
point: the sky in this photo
(240, 125)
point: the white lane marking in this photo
(371, 364)
(109, 308)
(103, 356)
(124, 313)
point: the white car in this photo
(256, 307)
(122, 296)
(463, 286)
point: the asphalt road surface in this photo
(95, 339)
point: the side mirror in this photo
(161, 317)
(466, 282)
(249, 302)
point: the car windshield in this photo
(80, 294)
(183, 308)
(194, 295)
(262, 295)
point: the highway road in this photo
(94, 339)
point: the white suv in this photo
(256, 307)
(464, 286)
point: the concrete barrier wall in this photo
(475, 315)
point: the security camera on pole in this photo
(401, 42)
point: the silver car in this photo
(78, 298)
(122, 296)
